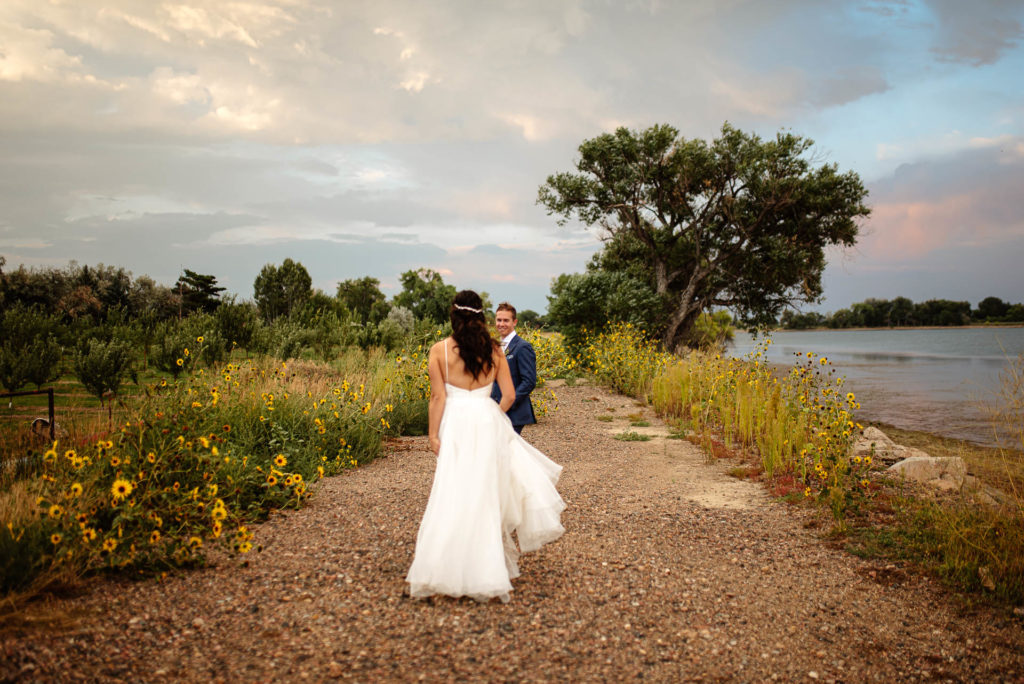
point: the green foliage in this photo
(29, 351)
(362, 296)
(992, 308)
(101, 366)
(279, 290)
(82, 292)
(899, 312)
(198, 292)
(584, 303)
(425, 294)
(531, 318)
(172, 353)
(794, 320)
(739, 222)
(329, 331)
(237, 322)
(20, 325)
(286, 338)
(13, 368)
(389, 334)
(711, 331)
(43, 359)
(632, 436)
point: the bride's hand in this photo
(435, 445)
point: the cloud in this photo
(849, 84)
(368, 138)
(977, 36)
(969, 199)
(28, 55)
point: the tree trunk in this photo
(680, 324)
(681, 320)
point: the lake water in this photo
(935, 380)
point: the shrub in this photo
(171, 353)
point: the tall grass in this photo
(800, 425)
(195, 460)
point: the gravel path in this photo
(669, 570)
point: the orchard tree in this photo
(101, 366)
(281, 290)
(739, 222)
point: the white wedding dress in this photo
(489, 483)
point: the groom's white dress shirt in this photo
(505, 340)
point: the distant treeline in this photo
(101, 322)
(902, 312)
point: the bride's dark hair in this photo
(469, 330)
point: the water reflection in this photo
(939, 381)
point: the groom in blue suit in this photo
(522, 362)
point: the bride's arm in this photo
(508, 390)
(437, 394)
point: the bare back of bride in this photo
(493, 494)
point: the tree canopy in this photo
(739, 223)
(198, 292)
(363, 297)
(902, 312)
(425, 294)
(281, 290)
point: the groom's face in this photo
(504, 322)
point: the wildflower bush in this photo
(552, 363)
(198, 458)
(625, 359)
(552, 359)
(800, 425)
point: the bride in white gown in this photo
(489, 483)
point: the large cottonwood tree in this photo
(738, 222)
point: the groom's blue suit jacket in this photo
(522, 361)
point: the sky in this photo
(372, 138)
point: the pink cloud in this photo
(912, 229)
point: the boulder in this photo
(947, 474)
(942, 472)
(873, 434)
(876, 444)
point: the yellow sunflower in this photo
(121, 489)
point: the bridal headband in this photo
(468, 308)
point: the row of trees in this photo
(902, 312)
(97, 321)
